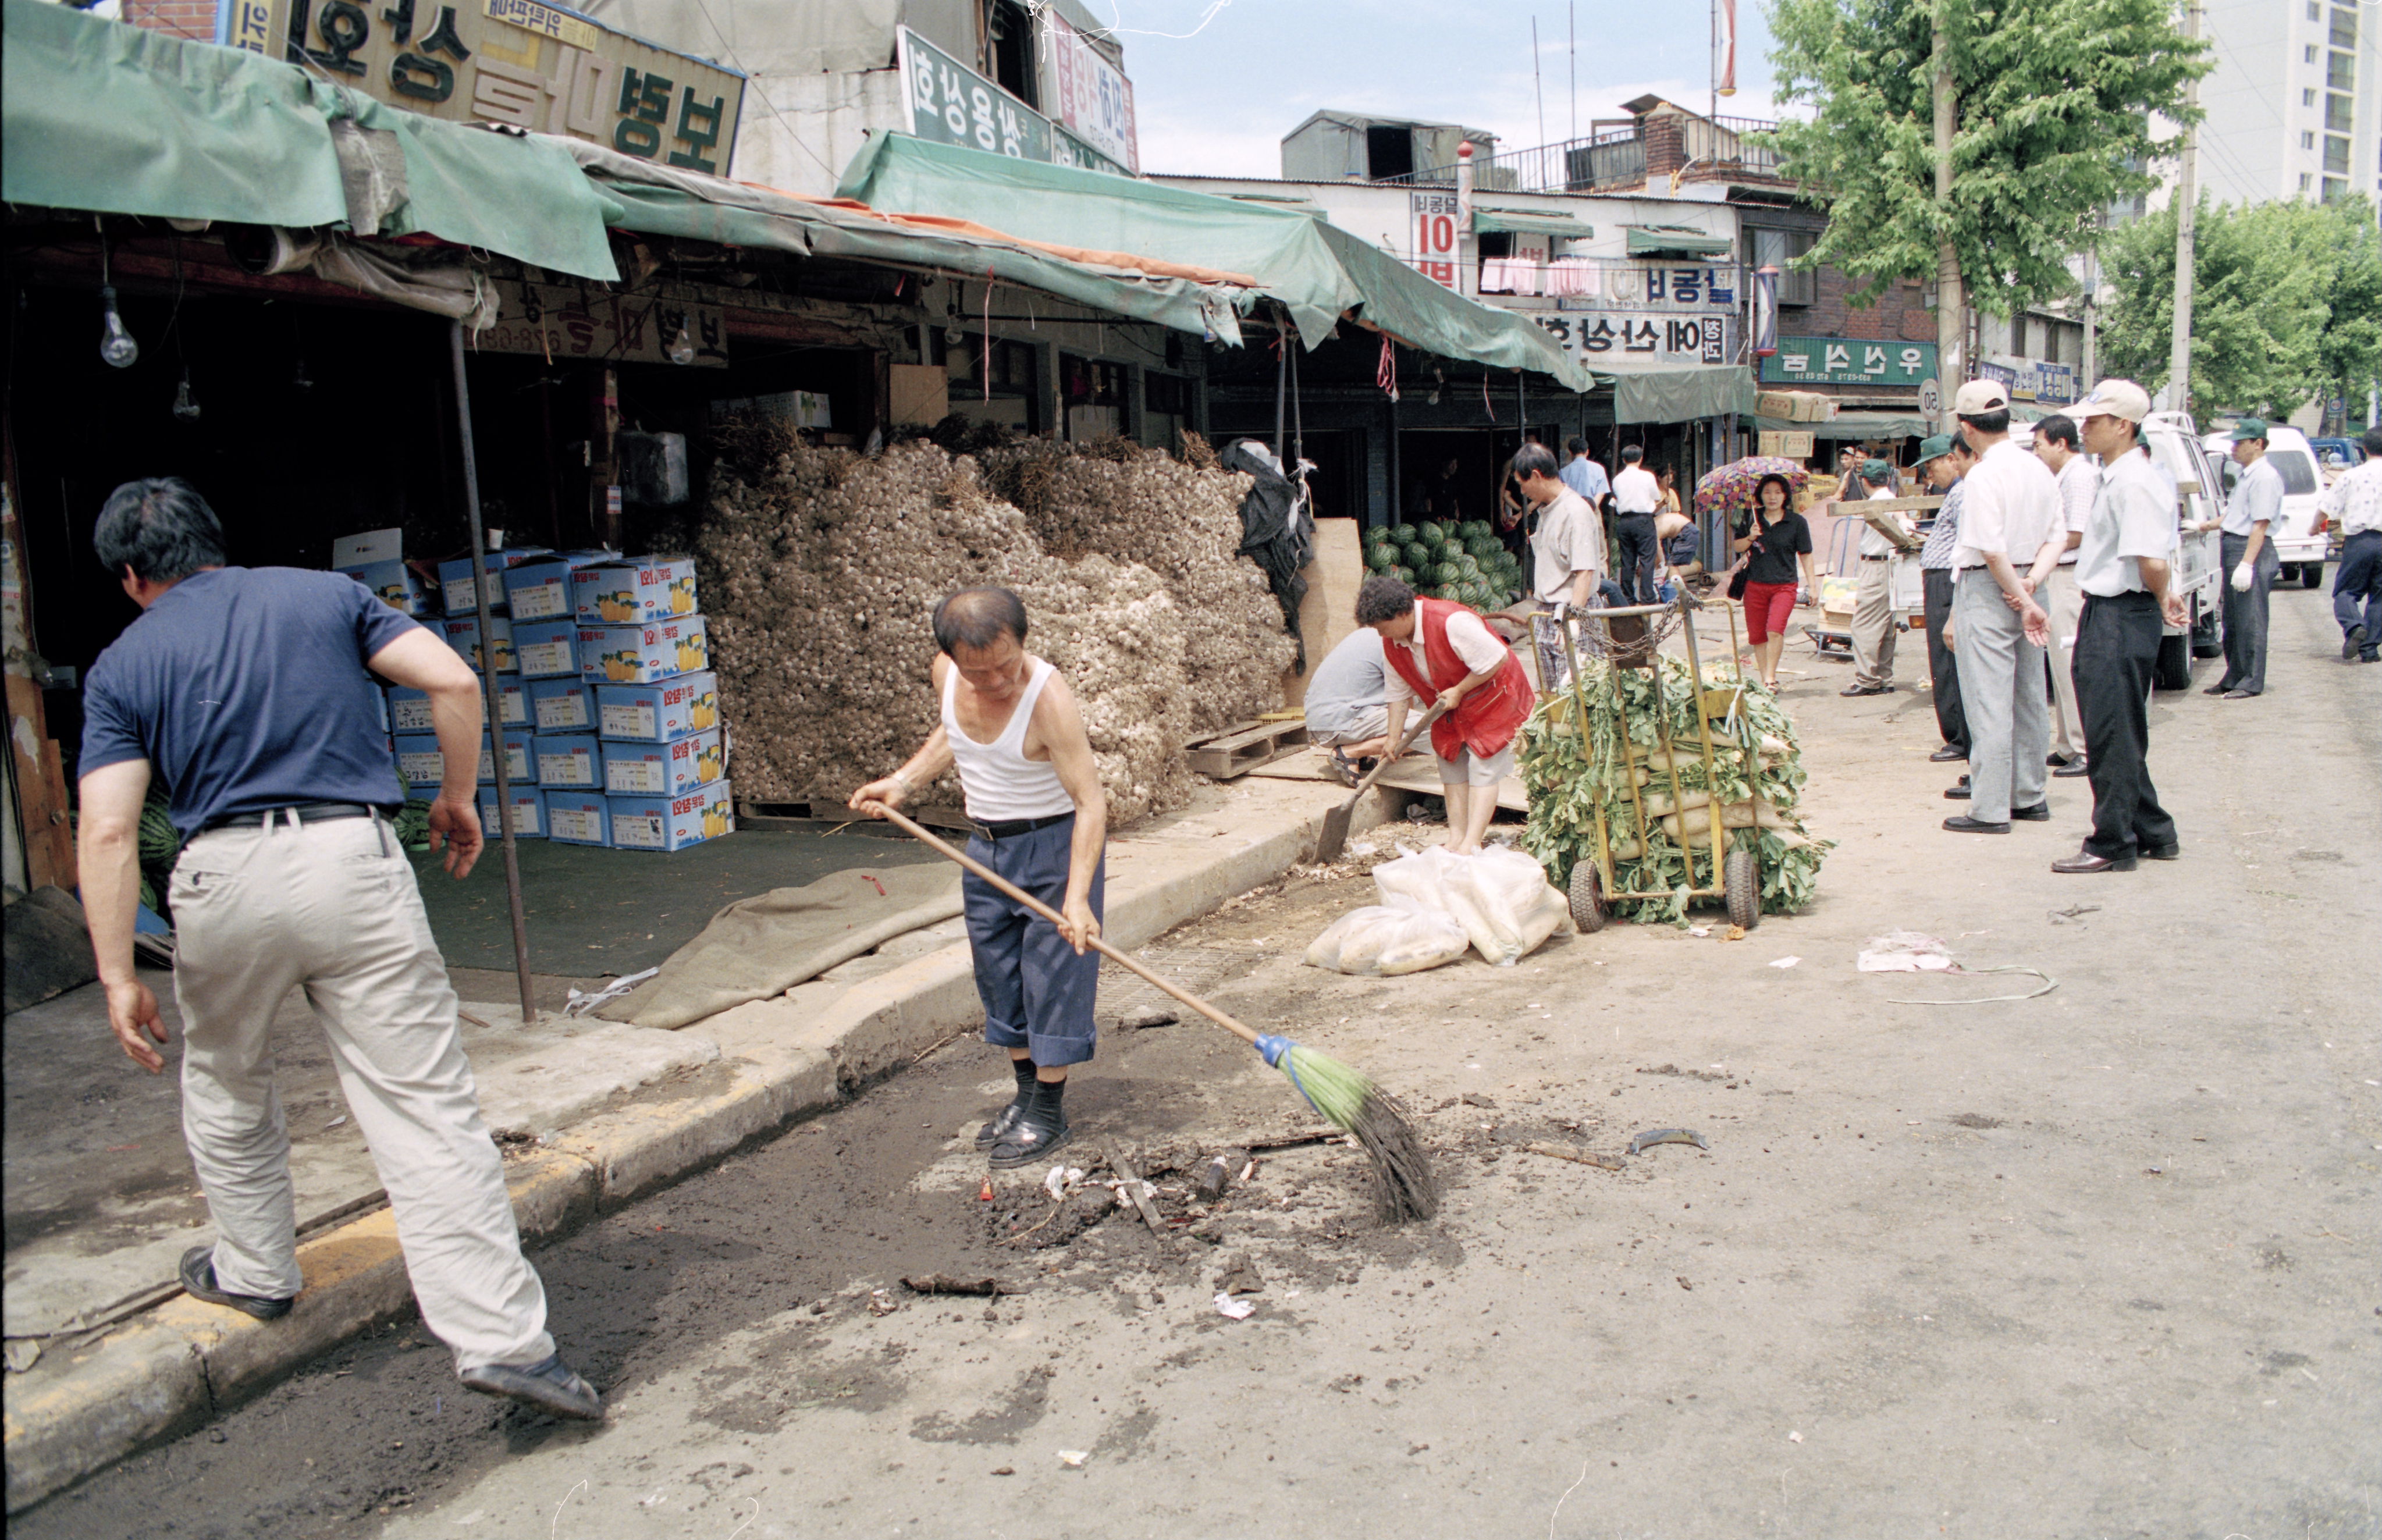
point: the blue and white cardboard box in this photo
(540, 590)
(546, 649)
(578, 817)
(562, 706)
(663, 769)
(671, 823)
(455, 578)
(419, 762)
(528, 813)
(570, 761)
(658, 712)
(409, 709)
(624, 591)
(462, 633)
(641, 654)
(392, 582)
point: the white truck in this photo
(2177, 449)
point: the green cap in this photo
(2248, 427)
(1876, 470)
(1934, 449)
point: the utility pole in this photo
(2187, 210)
(1951, 299)
(2092, 364)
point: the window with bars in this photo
(1167, 394)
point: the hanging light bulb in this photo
(116, 348)
(682, 348)
(302, 381)
(184, 406)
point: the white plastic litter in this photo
(1382, 942)
(1502, 898)
(1900, 951)
(1233, 1309)
(579, 1005)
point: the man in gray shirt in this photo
(2250, 561)
(1347, 703)
(2123, 566)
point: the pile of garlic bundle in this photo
(822, 569)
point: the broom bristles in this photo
(1349, 1100)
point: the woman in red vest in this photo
(1442, 652)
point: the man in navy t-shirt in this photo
(247, 692)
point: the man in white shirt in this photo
(2257, 503)
(1635, 495)
(1566, 555)
(1582, 474)
(2009, 512)
(1873, 596)
(2355, 503)
(2058, 444)
(2124, 563)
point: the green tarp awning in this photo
(1488, 218)
(1852, 424)
(1317, 271)
(1683, 394)
(111, 119)
(1674, 241)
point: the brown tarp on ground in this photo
(766, 945)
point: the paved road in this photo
(2097, 1263)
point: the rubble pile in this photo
(822, 568)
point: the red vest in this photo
(1490, 715)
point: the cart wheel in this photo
(1741, 877)
(1587, 910)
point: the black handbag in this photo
(1737, 584)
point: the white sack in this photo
(1382, 942)
(1501, 898)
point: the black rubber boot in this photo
(1039, 1129)
(1006, 1118)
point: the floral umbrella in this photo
(1732, 486)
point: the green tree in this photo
(2050, 102)
(2287, 303)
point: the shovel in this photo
(1336, 823)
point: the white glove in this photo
(2242, 578)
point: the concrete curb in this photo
(167, 1370)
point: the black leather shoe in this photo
(2351, 642)
(2085, 861)
(1958, 793)
(1003, 1122)
(550, 1387)
(2072, 769)
(1947, 754)
(2219, 688)
(198, 1275)
(2039, 813)
(2163, 852)
(1027, 1141)
(1966, 825)
(1866, 690)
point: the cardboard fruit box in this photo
(643, 655)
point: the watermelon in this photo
(1431, 535)
(1377, 559)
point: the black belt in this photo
(1877, 558)
(307, 813)
(1008, 828)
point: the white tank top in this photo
(1000, 783)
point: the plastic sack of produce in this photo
(1502, 898)
(1382, 942)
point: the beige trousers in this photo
(2065, 601)
(1874, 624)
(331, 908)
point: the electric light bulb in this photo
(116, 348)
(682, 348)
(185, 408)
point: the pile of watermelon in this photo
(1465, 562)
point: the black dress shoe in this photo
(2351, 642)
(2039, 813)
(1003, 1122)
(198, 1276)
(1958, 793)
(2085, 861)
(2219, 688)
(2072, 769)
(2163, 852)
(1965, 825)
(1033, 1136)
(1947, 754)
(550, 1387)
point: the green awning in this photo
(103, 117)
(1317, 271)
(1488, 218)
(1853, 424)
(1685, 393)
(1674, 241)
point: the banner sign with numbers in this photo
(1850, 361)
(1436, 232)
(1607, 341)
(533, 66)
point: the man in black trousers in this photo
(2123, 566)
(1943, 460)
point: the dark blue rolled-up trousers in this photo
(1037, 991)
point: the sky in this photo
(1218, 82)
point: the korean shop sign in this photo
(951, 103)
(1094, 99)
(1850, 361)
(1616, 339)
(523, 63)
(1432, 219)
(1660, 287)
(574, 321)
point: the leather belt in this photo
(1877, 558)
(1010, 829)
(306, 812)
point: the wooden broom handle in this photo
(1046, 911)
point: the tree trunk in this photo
(1951, 297)
(2187, 208)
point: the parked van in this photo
(2177, 449)
(2299, 533)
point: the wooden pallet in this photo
(812, 817)
(1244, 746)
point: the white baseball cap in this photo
(2122, 399)
(1980, 397)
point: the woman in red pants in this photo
(1772, 546)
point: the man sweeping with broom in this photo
(1033, 789)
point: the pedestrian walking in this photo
(1637, 496)
(1011, 729)
(2355, 503)
(1874, 594)
(2010, 512)
(1944, 460)
(246, 692)
(1582, 474)
(2249, 558)
(2125, 562)
(1776, 541)
(2058, 444)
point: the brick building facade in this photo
(195, 20)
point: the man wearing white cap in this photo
(2011, 511)
(2123, 566)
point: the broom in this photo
(1347, 1097)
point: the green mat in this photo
(593, 911)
